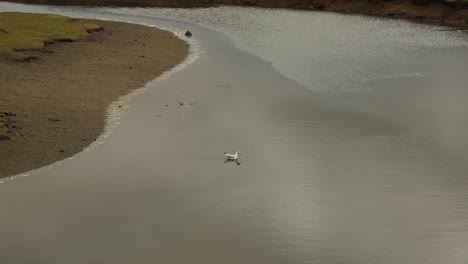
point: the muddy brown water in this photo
(352, 153)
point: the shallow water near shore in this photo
(352, 153)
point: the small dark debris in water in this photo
(120, 106)
(54, 119)
(182, 104)
(62, 150)
(167, 105)
(188, 34)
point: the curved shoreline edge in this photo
(440, 12)
(62, 102)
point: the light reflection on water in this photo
(369, 167)
(325, 52)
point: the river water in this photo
(353, 130)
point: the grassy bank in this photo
(54, 106)
(22, 32)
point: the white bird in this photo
(232, 156)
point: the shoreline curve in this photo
(62, 102)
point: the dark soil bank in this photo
(450, 13)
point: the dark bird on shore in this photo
(188, 34)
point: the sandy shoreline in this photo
(58, 103)
(433, 12)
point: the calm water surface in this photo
(354, 134)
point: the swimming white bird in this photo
(232, 156)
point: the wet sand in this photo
(58, 103)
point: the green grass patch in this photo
(25, 31)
